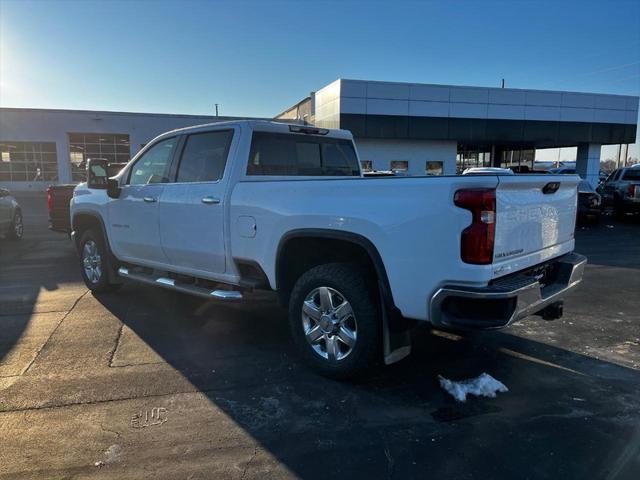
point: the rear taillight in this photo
(477, 239)
(49, 199)
(631, 190)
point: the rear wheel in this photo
(94, 262)
(17, 228)
(334, 320)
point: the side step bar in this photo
(170, 283)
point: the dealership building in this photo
(415, 129)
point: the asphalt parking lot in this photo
(147, 383)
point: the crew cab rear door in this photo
(534, 214)
(192, 208)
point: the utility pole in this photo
(626, 154)
(217, 109)
(619, 155)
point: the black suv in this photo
(621, 191)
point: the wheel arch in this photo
(82, 221)
(310, 237)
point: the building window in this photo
(434, 168)
(400, 166)
(114, 148)
(367, 165)
(28, 162)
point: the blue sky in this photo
(256, 58)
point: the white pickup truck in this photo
(218, 210)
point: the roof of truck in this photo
(265, 125)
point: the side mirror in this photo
(113, 188)
(97, 173)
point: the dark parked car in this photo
(58, 198)
(621, 191)
(563, 171)
(588, 202)
(10, 216)
(572, 171)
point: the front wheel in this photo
(94, 262)
(334, 320)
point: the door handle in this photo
(149, 199)
(210, 200)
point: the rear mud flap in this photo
(396, 335)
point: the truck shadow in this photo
(28, 274)
(570, 412)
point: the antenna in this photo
(217, 108)
(503, 83)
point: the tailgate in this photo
(59, 208)
(534, 213)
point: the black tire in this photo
(618, 210)
(16, 228)
(98, 283)
(349, 282)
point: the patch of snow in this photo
(113, 453)
(482, 386)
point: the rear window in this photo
(301, 155)
(632, 174)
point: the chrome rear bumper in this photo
(507, 299)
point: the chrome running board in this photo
(170, 283)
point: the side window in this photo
(153, 166)
(204, 156)
(631, 174)
(610, 177)
(293, 155)
(616, 177)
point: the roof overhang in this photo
(476, 115)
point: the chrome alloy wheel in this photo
(18, 227)
(91, 261)
(329, 323)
